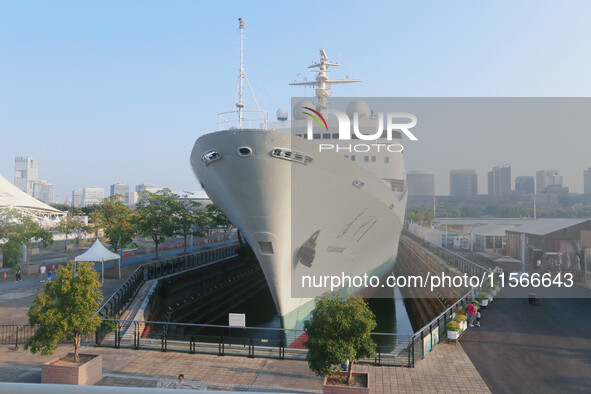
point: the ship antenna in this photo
(240, 103)
(322, 84)
(227, 117)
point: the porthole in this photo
(244, 151)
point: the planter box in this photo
(89, 373)
(484, 303)
(334, 389)
(452, 335)
(463, 325)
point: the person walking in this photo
(471, 314)
(478, 318)
(18, 273)
(43, 270)
(49, 276)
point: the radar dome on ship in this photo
(298, 110)
(282, 114)
(358, 106)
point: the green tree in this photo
(339, 330)
(187, 216)
(215, 218)
(79, 230)
(19, 229)
(154, 215)
(115, 218)
(66, 309)
(65, 227)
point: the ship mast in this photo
(238, 107)
(242, 75)
(322, 83)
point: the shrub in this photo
(460, 318)
(452, 326)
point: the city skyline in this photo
(122, 96)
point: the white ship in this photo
(306, 212)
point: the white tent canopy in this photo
(98, 253)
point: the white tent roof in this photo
(13, 197)
(97, 252)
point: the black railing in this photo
(18, 334)
(392, 349)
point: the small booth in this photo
(98, 253)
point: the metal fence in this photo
(116, 304)
(391, 349)
(18, 334)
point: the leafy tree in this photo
(154, 215)
(115, 218)
(339, 330)
(66, 309)
(19, 229)
(215, 218)
(187, 216)
(79, 230)
(66, 226)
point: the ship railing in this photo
(252, 119)
(278, 343)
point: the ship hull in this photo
(317, 216)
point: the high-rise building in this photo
(146, 187)
(26, 173)
(499, 181)
(77, 198)
(131, 198)
(92, 195)
(463, 182)
(421, 183)
(587, 181)
(43, 190)
(545, 178)
(119, 188)
(524, 184)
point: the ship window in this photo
(373, 159)
(335, 136)
(366, 158)
(266, 247)
(244, 151)
(352, 157)
(316, 136)
(326, 136)
(386, 159)
(346, 156)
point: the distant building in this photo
(146, 187)
(463, 182)
(587, 181)
(131, 198)
(119, 188)
(524, 184)
(26, 173)
(545, 178)
(43, 190)
(499, 181)
(92, 195)
(77, 198)
(421, 183)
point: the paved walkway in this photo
(447, 369)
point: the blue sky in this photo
(118, 91)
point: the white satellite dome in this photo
(282, 114)
(298, 110)
(358, 106)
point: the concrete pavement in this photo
(447, 369)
